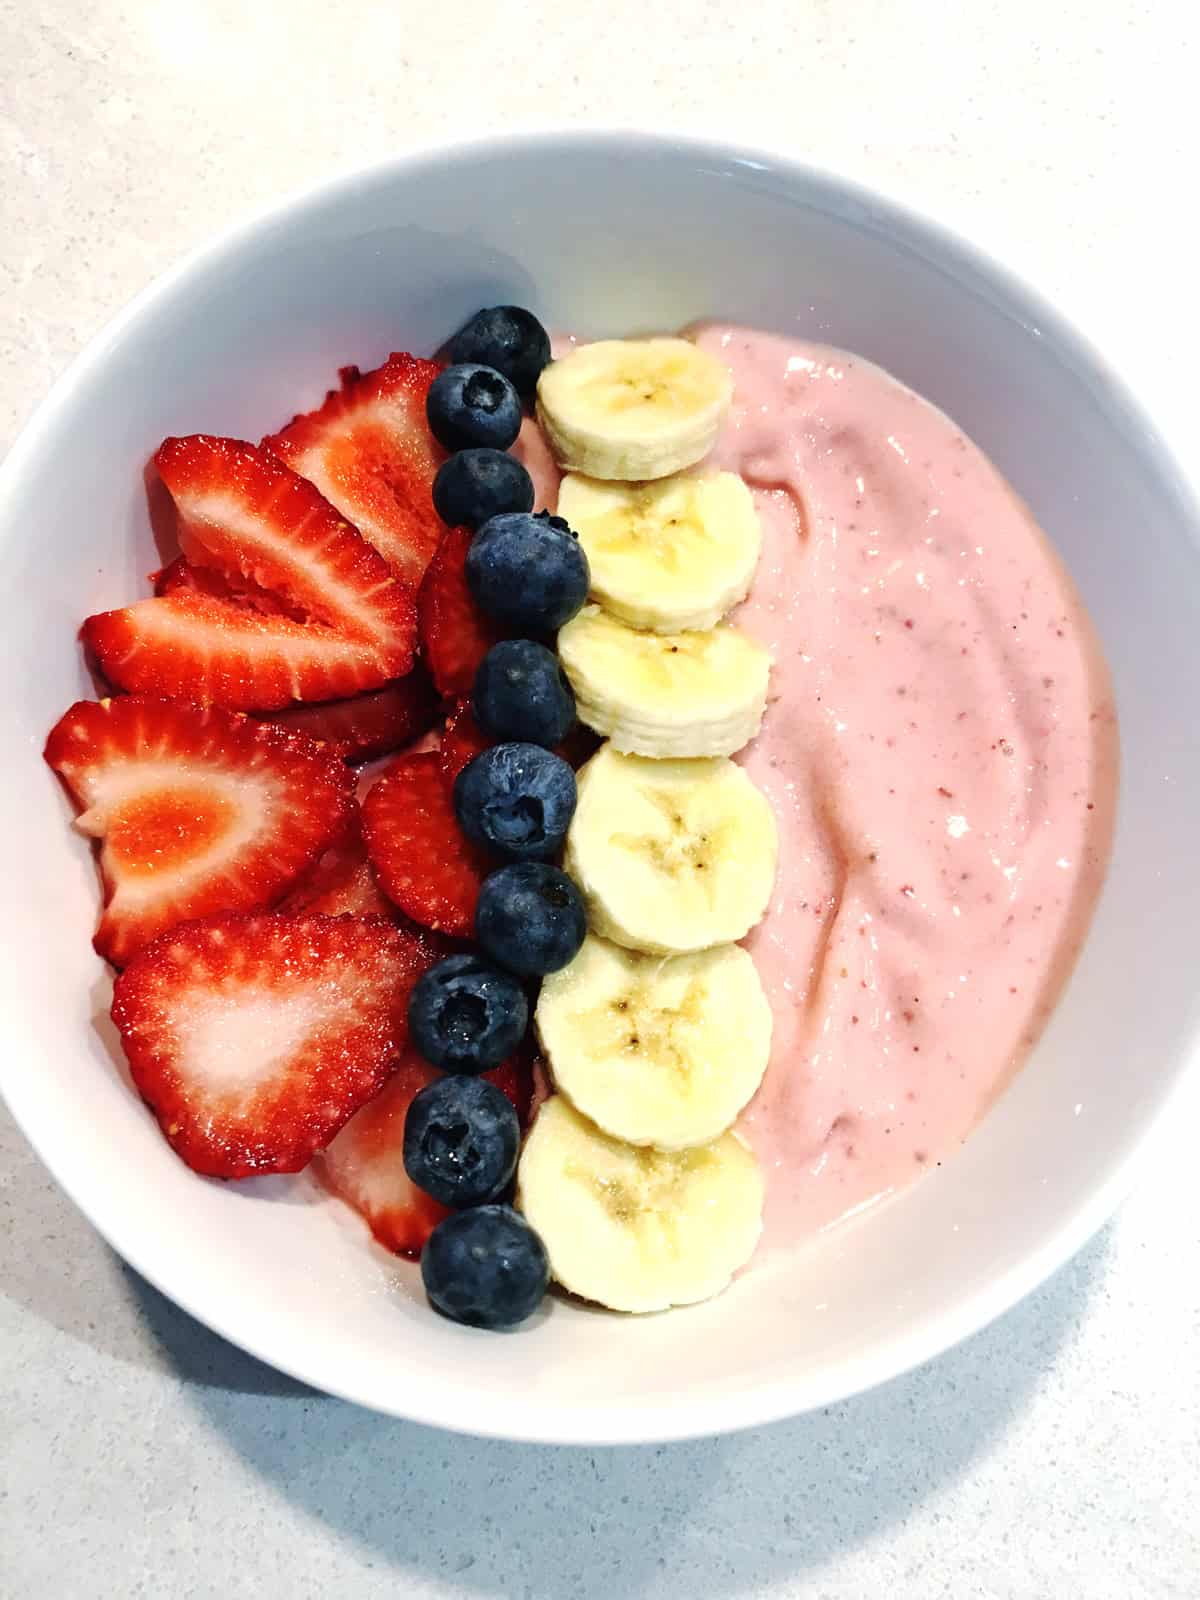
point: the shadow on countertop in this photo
(555, 1523)
(706, 1520)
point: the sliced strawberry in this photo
(372, 724)
(253, 1039)
(181, 577)
(341, 883)
(422, 858)
(215, 652)
(369, 451)
(462, 740)
(364, 1165)
(515, 1078)
(455, 633)
(195, 811)
(242, 511)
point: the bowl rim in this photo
(511, 1418)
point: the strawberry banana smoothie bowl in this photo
(606, 816)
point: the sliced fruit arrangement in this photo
(195, 810)
(252, 528)
(254, 1039)
(665, 694)
(254, 520)
(673, 554)
(369, 452)
(365, 1166)
(350, 1023)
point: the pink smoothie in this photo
(940, 749)
(941, 752)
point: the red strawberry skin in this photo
(462, 740)
(455, 634)
(254, 1039)
(372, 724)
(422, 858)
(244, 512)
(196, 811)
(369, 451)
(215, 652)
(364, 1165)
(341, 883)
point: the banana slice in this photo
(638, 1229)
(661, 1050)
(671, 855)
(665, 694)
(670, 555)
(633, 408)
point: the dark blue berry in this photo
(485, 1267)
(516, 799)
(475, 485)
(472, 405)
(461, 1141)
(527, 572)
(465, 1016)
(521, 692)
(508, 338)
(530, 918)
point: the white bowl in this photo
(604, 234)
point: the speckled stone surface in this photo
(1055, 1455)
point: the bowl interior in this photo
(604, 236)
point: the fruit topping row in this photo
(358, 970)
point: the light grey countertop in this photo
(1055, 1454)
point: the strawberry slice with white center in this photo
(253, 1039)
(242, 511)
(217, 652)
(195, 810)
(369, 451)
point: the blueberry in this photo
(521, 692)
(508, 338)
(527, 572)
(530, 918)
(485, 1267)
(465, 1016)
(472, 405)
(516, 799)
(475, 485)
(461, 1141)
